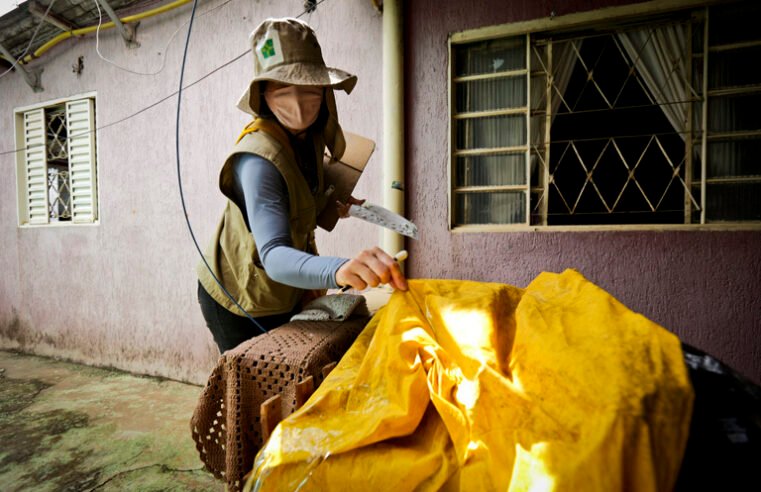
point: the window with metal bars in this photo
(56, 149)
(655, 121)
(56, 168)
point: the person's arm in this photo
(263, 195)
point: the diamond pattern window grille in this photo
(56, 142)
(56, 133)
(59, 194)
(603, 87)
(619, 124)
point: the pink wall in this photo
(122, 293)
(702, 285)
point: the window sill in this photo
(717, 227)
(57, 225)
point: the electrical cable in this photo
(177, 127)
(34, 35)
(152, 105)
(163, 52)
(179, 174)
(140, 111)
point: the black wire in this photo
(179, 175)
(153, 105)
(177, 142)
(143, 110)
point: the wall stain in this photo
(13, 330)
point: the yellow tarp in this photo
(459, 385)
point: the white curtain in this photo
(564, 60)
(505, 131)
(491, 132)
(659, 56)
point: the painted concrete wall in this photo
(123, 293)
(703, 286)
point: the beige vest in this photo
(232, 254)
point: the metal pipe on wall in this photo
(393, 118)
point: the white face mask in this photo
(296, 107)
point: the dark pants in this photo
(229, 329)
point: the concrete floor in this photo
(67, 427)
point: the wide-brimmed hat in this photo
(287, 51)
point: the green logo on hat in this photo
(268, 49)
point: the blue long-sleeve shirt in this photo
(263, 194)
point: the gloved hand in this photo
(343, 208)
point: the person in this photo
(263, 250)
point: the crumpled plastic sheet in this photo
(459, 385)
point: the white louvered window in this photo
(56, 163)
(636, 121)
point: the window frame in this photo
(599, 19)
(23, 215)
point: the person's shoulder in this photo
(251, 160)
(249, 167)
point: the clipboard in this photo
(343, 175)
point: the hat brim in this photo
(298, 73)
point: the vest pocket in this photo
(268, 296)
